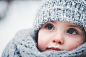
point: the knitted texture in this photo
(23, 45)
(73, 11)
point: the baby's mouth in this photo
(53, 48)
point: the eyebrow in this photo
(76, 26)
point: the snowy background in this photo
(15, 16)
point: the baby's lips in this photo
(53, 48)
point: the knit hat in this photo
(73, 11)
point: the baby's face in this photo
(58, 35)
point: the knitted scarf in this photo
(24, 45)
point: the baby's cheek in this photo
(71, 47)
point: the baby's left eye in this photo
(72, 31)
(49, 27)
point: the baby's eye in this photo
(49, 26)
(72, 31)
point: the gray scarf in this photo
(24, 45)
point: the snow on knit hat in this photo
(73, 11)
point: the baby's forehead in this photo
(57, 22)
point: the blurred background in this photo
(16, 15)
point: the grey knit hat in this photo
(73, 11)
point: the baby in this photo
(59, 31)
(62, 25)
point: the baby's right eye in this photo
(72, 31)
(49, 27)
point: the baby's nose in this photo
(58, 38)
